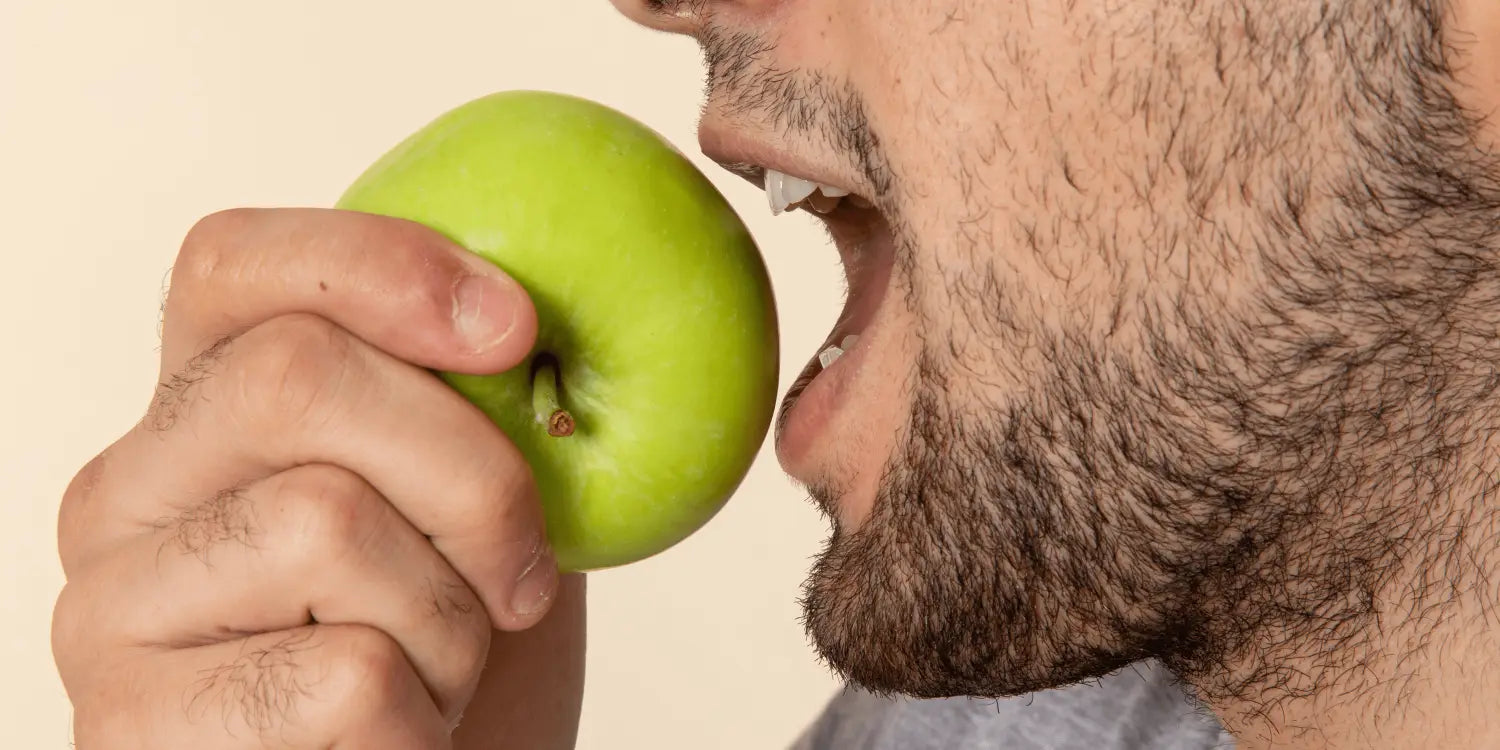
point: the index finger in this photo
(396, 284)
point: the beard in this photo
(1076, 530)
(1235, 487)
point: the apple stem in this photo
(544, 400)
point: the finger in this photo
(324, 686)
(314, 543)
(397, 284)
(300, 390)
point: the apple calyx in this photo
(544, 403)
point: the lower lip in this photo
(812, 412)
(814, 409)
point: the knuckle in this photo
(473, 642)
(91, 675)
(337, 513)
(74, 511)
(505, 509)
(367, 674)
(202, 251)
(463, 615)
(436, 268)
(414, 244)
(66, 630)
(428, 263)
(294, 369)
(475, 625)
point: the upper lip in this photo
(750, 158)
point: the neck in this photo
(1409, 658)
(1373, 620)
(1439, 694)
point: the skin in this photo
(257, 564)
(1188, 353)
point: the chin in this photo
(988, 566)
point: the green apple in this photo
(653, 380)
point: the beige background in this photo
(122, 121)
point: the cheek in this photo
(1060, 178)
(992, 142)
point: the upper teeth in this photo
(784, 191)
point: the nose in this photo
(674, 16)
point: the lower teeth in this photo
(831, 354)
(822, 203)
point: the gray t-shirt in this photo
(1137, 708)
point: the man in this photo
(1174, 362)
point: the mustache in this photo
(744, 79)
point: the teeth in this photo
(821, 203)
(829, 356)
(773, 191)
(794, 190)
(784, 192)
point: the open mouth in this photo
(865, 244)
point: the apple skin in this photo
(649, 291)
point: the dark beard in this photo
(1031, 548)
(1235, 491)
(1097, 522)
